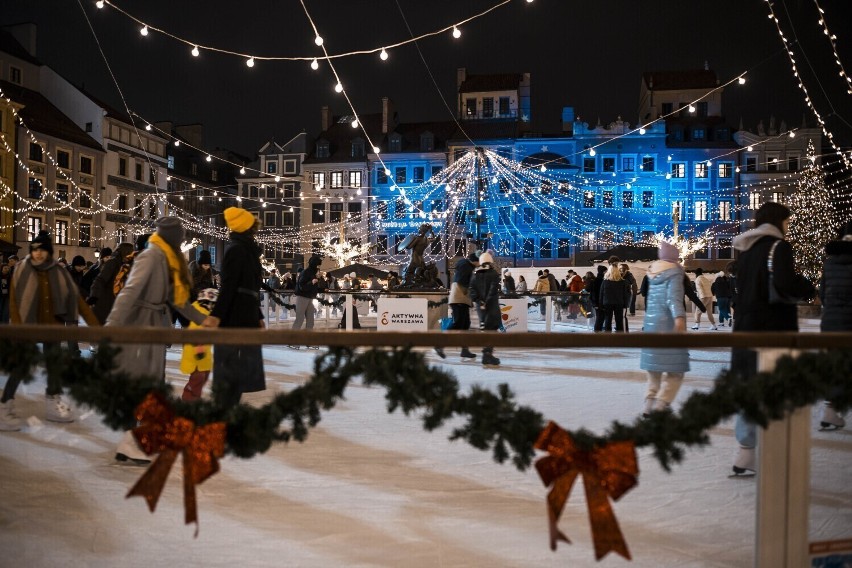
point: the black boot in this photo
(489, 360)
(467, 354)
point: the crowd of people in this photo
(150, 283)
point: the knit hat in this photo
(316, 261)
(170, 230)
(78, 261)
(204, 257)
(106, 251)
(42, 242)
(486, 257)
(239, 220)
(667, 252)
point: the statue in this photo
(416, 245)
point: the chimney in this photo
(164, 126)
(568, 120)
(25, 34)
(461, 76)
(388, 115)
(325, 118)
(192, 133)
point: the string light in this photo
(355, 123)
(209, 158)
(318, 40)
(338, 88)
(456, 32)
(315, 64)
(383, 55)
(833, 40)
(144, 30)
(195, 51)
(99, 4)
(376, 150)
(148, 127)
(250, 62)
(242, 171)
(741, 80)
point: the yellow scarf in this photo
(177, 270)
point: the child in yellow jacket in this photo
(197, 360)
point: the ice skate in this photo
(56, 410)
(128, 450)
(830, 419)
(440, 352)
(489, 360)
(745, 463)
(467, 355)
(9, 421)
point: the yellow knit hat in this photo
(239, 220)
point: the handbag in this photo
(776, 297)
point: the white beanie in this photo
(486, 257)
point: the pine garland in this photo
(493, 421)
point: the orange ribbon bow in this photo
(161, 433)
(609, 471)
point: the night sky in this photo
(589, 55)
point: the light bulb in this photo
(592, 152)
(314, 64)
(376, 149)
(209, 158)
(338, 88)
(669, 176)
(691, 108)
(250, 62)
(168, 178)
(181, 197)
(750, 148)
(456, 32)
(737, 169)
(99, 3)
(148, 127)
(277, 178)
(792, 134)
(318, 40)
(387, 171)
(177, 142)
(642, 131)
(355, 123)
(192, 185)
(144, 30)
(543, 168)
(242, 171)
(741, 80)
(383, 55)
(195, 51)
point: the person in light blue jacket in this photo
(664, 313)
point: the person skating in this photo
(704, 291)
(485, 291)
(460, 301)
(197, 360)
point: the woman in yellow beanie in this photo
(238, 368)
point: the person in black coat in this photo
(101, 295)
(754, 312)
(307, 287)
(614, 298)
(485, 291)
(238, 368)
(835, 291)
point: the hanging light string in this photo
(833, 41)
(808, 101)
(197, 47)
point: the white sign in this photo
(402, 314)
(513, 315)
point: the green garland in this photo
(492, 420)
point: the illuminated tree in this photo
(814, 220)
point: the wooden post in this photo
(783, 484)
(548, 306)
(349, 305)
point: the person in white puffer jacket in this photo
(703, 287)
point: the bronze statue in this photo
(416, 245)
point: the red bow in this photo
(609, 471)
(161, 433)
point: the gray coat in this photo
(664, 304)
(144, 301)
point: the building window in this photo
(194, 169)
(678, 170)
(382, 244)
(381, 175)
(355, 212)
(15, 75)
(666, 108)
(139, 172)
(358, 148)
(772, 163)
(698, 134)
(724, 210)
(754, 200)
(545, 249)
(85, 234)
(628, 164)
(529, 216)
(678, 208)
(62, 193)
(418, 174)
(470, 107)
(85, 165)
(627, 237)
(399, 209)
(546, 187)
(648, 164)
(724, 250)
(34, 188)
(722, 134)
(319, 180)
(139, 208)
(63, 159)
(627, 199)
(122, 203)
(288, 217)
(33, 227)
(269, 218)
(395, 142)
(36, 152)
(318, 213)
(503, 216)
(793, 163)
(589, 165)
(214, 175)
(271, 191)
(152, 176)
(336, 180)
(400, 175)
(702, 108)
(271, 167)
(252, 191)
(323, 150)
(60, 232)
(85, 198)
(608, 199)
(122, 167)
(436, 170)
(778, 196)
(563, 248)
(504, 108)
(335, 213)
(726, 169)
(382, 210)
(488, 107)
(647, 199)
(700, 210)
(609, 164)
(588, 198)
(751, 163)
(528, 248)
(700, 169)
(153, 213)
(355, 179)
(589, 241)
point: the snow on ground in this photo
(370, 488)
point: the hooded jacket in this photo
(754, 312)
(836, 287)
(663, 305)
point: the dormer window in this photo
(395, 142)
(427, 142)
(323, 149)
(358, 148)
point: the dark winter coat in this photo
(615, 293)
(689, 292)
(509, 284)
(201, 279)
(101, 291)
(754, 312)
(76, 276)
(722, 287)
(485, 288)
(305, 286)
(836, 287)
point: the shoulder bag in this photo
(776, 297)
